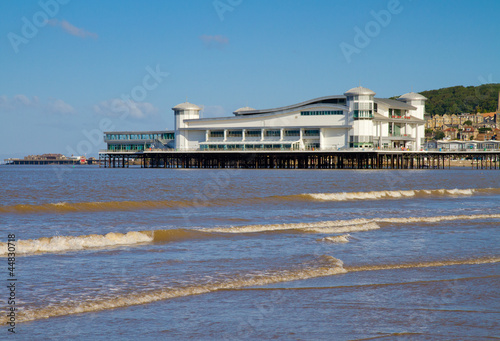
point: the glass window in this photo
(322, 112)
(270, 133)
(311, 132)
(217, 133)
(292, 132)
(234, 133)
(252, 133)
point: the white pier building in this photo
(356, 119)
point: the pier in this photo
(373, 159)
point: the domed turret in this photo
(242, 110)
(359, 91)
(360, 103)
(417, 101)
(184, 111)
(186, 106)
(412, 96)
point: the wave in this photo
(324, 266)
(484, 260)
(346, 226)
(376, 195)
(336, 239)
(334, 226)
(94, 241)
(98, 206)
(435, 219)
(77, 243)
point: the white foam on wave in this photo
(324, 266)
(336, 239)
(345, 226)
(436, 219)
(334, 226)
(69, 243)
(474, 261)
(77, 243)
(375, 195)
(344, 229)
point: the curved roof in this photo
(186, 106)
(412, 96)
(338, 100)
(360, 91)
(244, 109)
(393, 104)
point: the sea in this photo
(249, 254)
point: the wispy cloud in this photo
(216, 41)
(71, 29)
(118, 108)
(23, 102)
(58, 106)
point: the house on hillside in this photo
(468, 133)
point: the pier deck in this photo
(379, 159)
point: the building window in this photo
(252, 133)
(363, 106)
(395, 113)
(361, 138)
(365, 98)
(362, 114)
(234, 133)
(272, 133)
(322, 112)
(311, 146)
(311, 132)
(217, 133)
(292, 132)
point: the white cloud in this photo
(58, 106)
(119, 108)
(22, 102)
(5, 102)
(217, 41)
(71, 29)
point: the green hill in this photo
(459, 99)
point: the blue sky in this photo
(71, 68)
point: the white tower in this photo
(360, 103)
(418, 101)
(182, 112)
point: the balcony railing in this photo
(399, 135)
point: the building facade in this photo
(356, 119)
(136, 141)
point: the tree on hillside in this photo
(439, 135)
(459, 99)
(468, 123)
